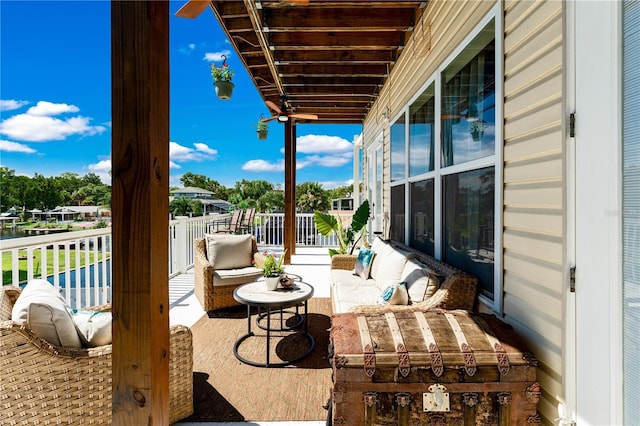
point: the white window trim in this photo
(494, 161)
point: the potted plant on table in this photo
(222, 76)
(273, 269)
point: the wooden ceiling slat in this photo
(330, 57)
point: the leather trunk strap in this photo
(404, 366)
(501, 355)
(367, 346)
(470, 365)
(430, 342)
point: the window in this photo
(422, 133)
(468, 103)
(443, 202)
(397, 213)
(422, 233)
(398, 149)
(468, 224)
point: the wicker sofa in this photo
(46, 384)
(214, 286)
(454, 289)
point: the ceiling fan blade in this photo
(192, 8)
(274, 107)
(300, 2)
(264, 120)
(304, 116)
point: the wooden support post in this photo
(140, 184)
(289, 190)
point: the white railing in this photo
(79, 262)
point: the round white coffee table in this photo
(255, 294)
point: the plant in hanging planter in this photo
(222, 76)
(262, 128)
(477, 130)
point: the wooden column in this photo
(289, 190)
(140, 184)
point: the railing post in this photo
(181, 245)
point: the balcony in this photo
(84, 257)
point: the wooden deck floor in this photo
(312, 264)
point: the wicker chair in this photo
(214, 288)
(45, 384)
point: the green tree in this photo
(182, 206)
(271, 201)
(340, 192)
(201, 181)
(311, 196)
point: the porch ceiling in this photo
(330, 58)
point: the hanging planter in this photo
(262, 128)
(477, 130)
(222, 79)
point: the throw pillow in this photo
(44, 310)
(94, 327)
(395, 294)
(229, 251)
(421, 281)
(364, 262)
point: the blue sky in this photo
(55, 102)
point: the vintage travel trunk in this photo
(430, 368)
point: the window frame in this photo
(439, 172)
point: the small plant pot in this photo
(262, 134)
(477, 135)
(224, 89)
(272, 282)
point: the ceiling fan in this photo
(193, 8)
(283, 115)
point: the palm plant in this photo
(348, 237)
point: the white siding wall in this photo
(534, 186)
(534, 175)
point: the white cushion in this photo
(346, 297)
(43, 308)
(395, 294)
(421, 283)
(380, 248)
(229, 251)
(390, 270)
(94, 327)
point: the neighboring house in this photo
(209, 202)
(472, 153)
(71, 213)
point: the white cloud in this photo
(102, 169)
(204, 148)
(11, 104)
(49, 108)
(179, 153)
(263, 166)
(216, 56)
(174, 165)
(323, 144)
(8, 146)
(38, 125)
(336, 184)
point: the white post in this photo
(180, 244)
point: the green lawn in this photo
(22, 264)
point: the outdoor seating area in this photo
(42, 381)
(240, 222)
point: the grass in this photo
(7, 270)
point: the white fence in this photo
(79, 262)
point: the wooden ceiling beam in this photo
(315, 19)
(352, 40)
